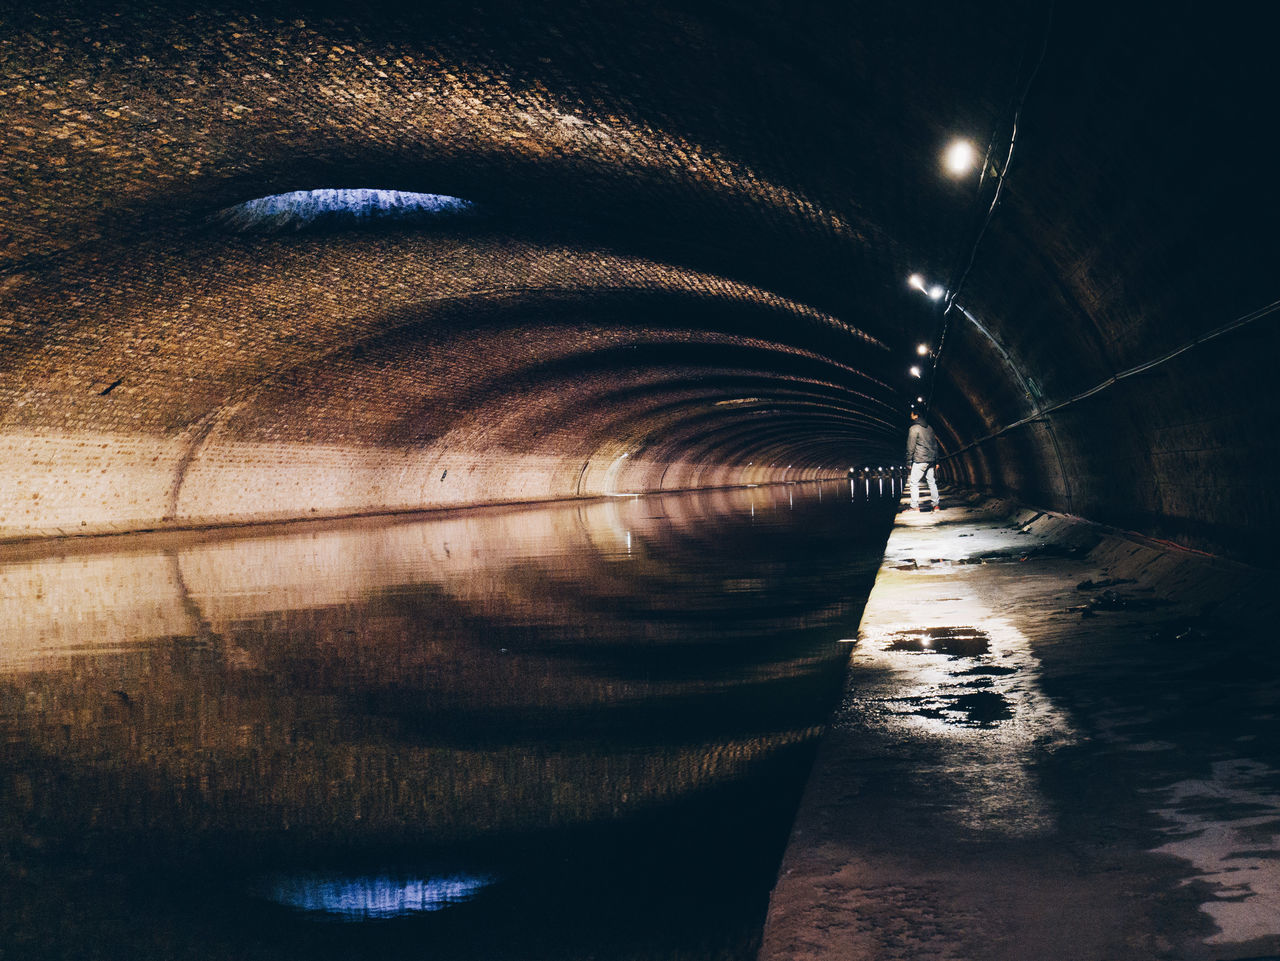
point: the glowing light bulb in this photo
(922, 349)
(960, 158)
(916, 281)
(935, 292)
(915, 371)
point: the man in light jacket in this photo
(923, 453)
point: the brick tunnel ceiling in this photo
(666, 245)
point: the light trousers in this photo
(913, 483)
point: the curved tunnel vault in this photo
(260, 265)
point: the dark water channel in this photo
(570, 732)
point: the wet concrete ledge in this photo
(1055, 742)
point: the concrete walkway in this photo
(1054, 743)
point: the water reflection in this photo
(590, 715)
(362, 899)
(952, 641)
(870, 483)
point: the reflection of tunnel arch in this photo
(207, 668)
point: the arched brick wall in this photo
(685, 264)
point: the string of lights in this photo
(1001, 175)
(959, 159)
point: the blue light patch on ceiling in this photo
(340, 207)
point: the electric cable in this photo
(1164, 358)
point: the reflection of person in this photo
(922, 454)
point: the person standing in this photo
(922, 454)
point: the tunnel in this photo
(317, 266)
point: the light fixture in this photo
(960, 158)
(915, 371)
(919, 400)
(917, 282)
(922, 349)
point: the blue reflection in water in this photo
(366, 898)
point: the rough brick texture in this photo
(683, 265)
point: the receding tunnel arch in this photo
(780, 184)
(566, 400)
(266, 402)
(267, 420)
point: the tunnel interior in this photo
(265, 263)
(288, 289)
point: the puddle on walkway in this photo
(975, 709)
(952, 641)
(960, 700)
(572, 732)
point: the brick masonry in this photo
(689, 243)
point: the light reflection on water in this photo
(365, 898)
(607, 709)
